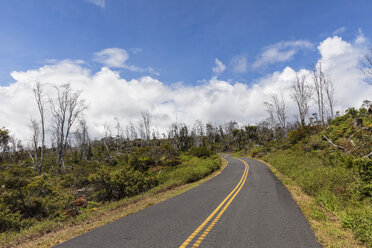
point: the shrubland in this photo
(332, 164)
(29, 199)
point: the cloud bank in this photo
(109, 95)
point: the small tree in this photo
(4, 139)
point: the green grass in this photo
(191, 170)
(334, 188)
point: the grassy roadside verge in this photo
(190, 174)
(327, 225)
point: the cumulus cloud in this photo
(109, 95)
(239, 64)
(99, 3)
(340, 60)
(280, 52)
(117, 58)
(219, 68)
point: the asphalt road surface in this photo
(244, 206)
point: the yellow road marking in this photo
(209, 228)
(235, 191)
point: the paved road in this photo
(257, 211)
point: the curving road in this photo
(244, 206)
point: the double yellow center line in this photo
(222, 205)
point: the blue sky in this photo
(179, 40)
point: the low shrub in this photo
(259, 151)
(200, 152)
(296, 135)
(10, 221)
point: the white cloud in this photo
(239, 64)
(340, 30)
(280, 52)
(99, 3)
(117, 57)
(109, 95)
(219, 68)
(112, 57)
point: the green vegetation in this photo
(31, 201)
(330, 163)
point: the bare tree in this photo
(15, 146)
(198, 131)
(39, 97)
(301, 94)
(132, 131)
(147, 119)
(35, 140)
(119, 134)
(330, 96)
(278, 109)
(144, 125)
(66, 109)
(173, 134)
(107, 137)
(82, 138)
(325, 92)
(319, 85)
(271, 121)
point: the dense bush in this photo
(141, 159)
(117, 184)
(200, 152)
(25, 195)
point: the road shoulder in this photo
(326, 226)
